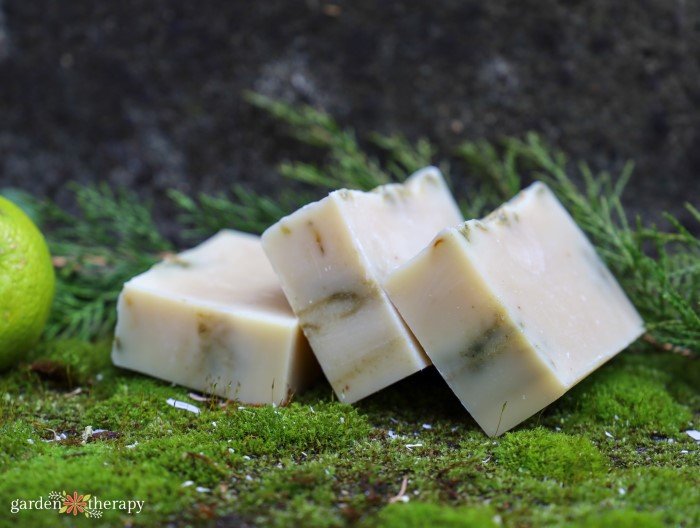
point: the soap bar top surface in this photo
(515, 309)
(395, 221)
(229, 271)
(539, 264)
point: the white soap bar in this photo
(514, 310)
(332, 257)
(214, 318)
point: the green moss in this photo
(291, 430)
(623, 518)
(89, 471)
(680, 376)
(138, 405)
(546, 454)
(295, 495)
(196, 456)
(81, 361)
(629, 397)
(674, 493)
(18, 441)
(420, 515)
(640, 450)
(318, 462)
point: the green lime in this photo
(27, 283)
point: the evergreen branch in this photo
(95, 252)
(498, 172)
(114, 238)
(404, 158)
(242, 209)
(109, 220)
(347, 164)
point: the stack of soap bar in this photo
(514, 310)
(332, 257)
(215, 319)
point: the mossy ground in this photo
(612, 452)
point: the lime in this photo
(27, 283)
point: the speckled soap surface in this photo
(514, 310)
(214, 318)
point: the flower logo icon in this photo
(74, 504)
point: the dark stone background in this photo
(147, 93)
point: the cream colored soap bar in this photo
(332, 257)
(514, 310)
(214, 318)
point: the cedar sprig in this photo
(113, 237)
(110, 239)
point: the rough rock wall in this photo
(146, 93)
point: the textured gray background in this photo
(147, 93)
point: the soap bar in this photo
(332, 257)
(215, 319)
(514, 310)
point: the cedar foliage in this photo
(113, 237)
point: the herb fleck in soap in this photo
(514, 310)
